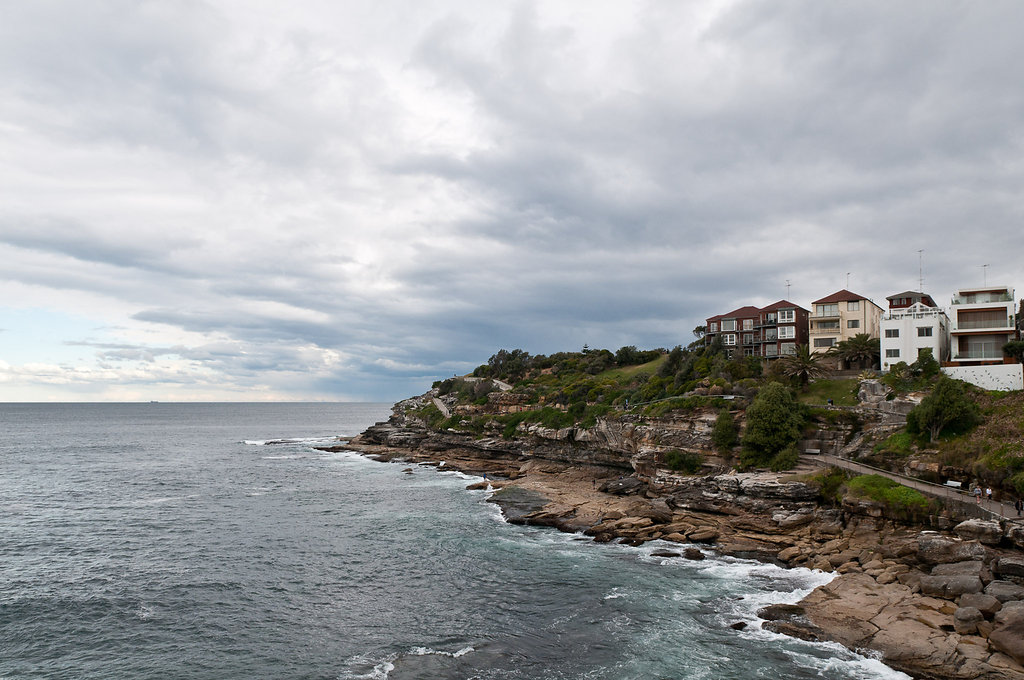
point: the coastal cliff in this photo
(937, 596)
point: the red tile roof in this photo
(780, 305)
(839, 296)
(747, 312)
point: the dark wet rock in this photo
(1010, 566)
(739, 625)
(665, 553)
(936, 549)
(625, 486)
(966, 620)
(1005, 591)
(693, 554)
(986, 604)
(1008, 632)
(516, 502)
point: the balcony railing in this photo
(981, 353)
(981, 299)
(974, 325)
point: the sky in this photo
(249, 200)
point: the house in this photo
(982, 321)
(840, 316)
(782, 326)
(912, 323)
(767, 332)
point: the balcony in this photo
(1005, 324)
(981, 298)
(978, 353)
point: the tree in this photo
(700, 331)
(673, 363)
(860, 351)
(947, 409)
(774, 422)
(724, 435)
(628, 355)
(926, 366)
(1014, 349)
(802, 365)
(504, 365)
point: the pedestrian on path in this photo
(1019, 506)
(988, 493)
(977, 495)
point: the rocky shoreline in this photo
(935, 604)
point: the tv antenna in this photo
(847, 280)
(920, 271)
(984, 274)
(787, 289)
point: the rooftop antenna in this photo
(847, 280)
(787, 289)
(984, 274)
(920, 272)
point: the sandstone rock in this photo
(886, 577)
(950, 586)
(986, 604)
(625, 486)
(665, 553)
(1005, 591)
(1010, 566)
(789, 553)
(659, 511)
(843, 557)
(966, 619)
(1016, 535)
(967, 568)
(675, 538)
(1008, 633)
(988, 532)
(703, 535)
(936, 549)
(693, 554)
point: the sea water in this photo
(212, 541)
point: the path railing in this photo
(997, 509)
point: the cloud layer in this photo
(238, 200)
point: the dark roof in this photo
(747, 312)
(781, 304)
(912, 294)
(840, 296)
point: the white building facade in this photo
(906, 331)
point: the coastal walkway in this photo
(1001, 510)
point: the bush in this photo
(724, 434)
(785, 459)
(948, 409)
(683, 461)
(830, 485)
(774, 422)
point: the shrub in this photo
(683, 461)
(774, 422)
(947, 409)
(724, 434)
(785, 459)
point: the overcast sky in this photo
(244, 200)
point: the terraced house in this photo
(767, 332)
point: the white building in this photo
(913, 323)
(983, 320)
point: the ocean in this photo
(212, 541)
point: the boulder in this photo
(1008, 633)
(703, 535)
(665, 553)
(966, 620)
(625, 486)
(950, 586)
(1010, 566)
(693, 554)
(1016, 535)
(1004, 591)
(659, 511)
(984, 531)
(986, 604)
(790, 553)
(935, 549)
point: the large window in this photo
(713, 327)
(924, 332)
(853, 306)
(892, 354)
(786, 332)
(827, 310)
(892, 332)
(853, 323)
(748, 338)
(788, 348)
(729, 339)
(826, 325)
(824, 342)
(728, 324)
(748, 324)
(787, 315)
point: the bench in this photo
(955, 485)
(814, 451)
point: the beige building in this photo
(840, 316)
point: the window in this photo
(728, 324)
(786, 332)
(828, 310)
(748, 338)
(853, 323)
(787, 315)
(713, 327)
(789, 348)
(853, 306)
(729, 339)
(892, 332)
(826, 325)
(824, 342)
(748, 324)
(748, 351)
(924, 332)
(892, 354)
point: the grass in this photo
(628, 373)
(886, 491)
(842, 391)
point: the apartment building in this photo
(913, 323)
(840, 316)
(983, 320)
(767, 332)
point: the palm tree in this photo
(860, 351)
(803, 364)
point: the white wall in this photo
(1001, 377)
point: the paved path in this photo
(1004, 510)
(445, 411)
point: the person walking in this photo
(1019, 506)
(988, 493)
(977, 495)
